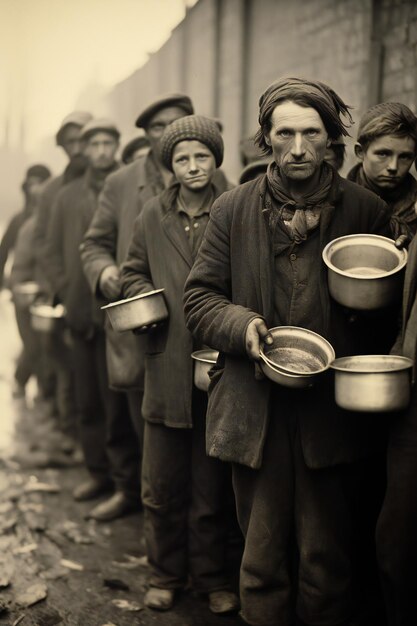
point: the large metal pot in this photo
(46, 318)
(24, 294)
(145, 309)
(365, 272)
(372, 383)
(203, 362)
(296, 357)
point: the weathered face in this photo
(387, 160)
(159, 122)
(193, 164)
(71, 141)
(298, 140)
(101, 150)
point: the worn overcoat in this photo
(230, 284)
(160, 257)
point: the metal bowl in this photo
(24, 294)
(46, 318)
(365, 272)
(296, 357)
(203, 362)
(133, 313)
(373, 383)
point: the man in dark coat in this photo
(109, 443)
(293, 451)
(28, 361)
(106, 242)
(58, 353)
(396, 537)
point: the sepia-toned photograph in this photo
(208, 312)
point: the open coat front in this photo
(231, 283)
(160, 257)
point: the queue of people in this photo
(234, 262)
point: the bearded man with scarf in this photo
(108, 440)
(293, 452)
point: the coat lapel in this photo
(175, 233)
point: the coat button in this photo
(293, 256)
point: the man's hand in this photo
(256, 333)
(402, 242)
(109, 282)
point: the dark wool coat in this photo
(160, 256)
(106, 243)
(230, 284)
(409, 322)
(70, 217)
(43, 216)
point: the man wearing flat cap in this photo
(106, 242)
(293, 451)
(107, 437)
(68, 138)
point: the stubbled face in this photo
(387, 160)
(101, 150)
(71, 141)
(193, 164)
(159, 122)
(298, 139)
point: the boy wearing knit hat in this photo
(386, 148)
(182, 489)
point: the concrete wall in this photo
(226, 52)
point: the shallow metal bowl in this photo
(365, 272)
(296, 357)
(46, 318)
(142, 310)
(203, 362)
(372, 383)
(24, 294)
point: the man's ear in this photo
(267, 140)
(359, 151)
(328, 142)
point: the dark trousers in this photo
(135, 399)
(30, 361)
(282, 505)
(183, 496)
(61, 358)
(396, 536)
(109, 442)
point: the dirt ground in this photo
(56, 566)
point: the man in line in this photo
(58, 353)
(396, 538)
(29, 361)
(108, 441)
(293, 451)
(386, 148)
(106, 242)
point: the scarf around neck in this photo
(301, 216)
(402, 201)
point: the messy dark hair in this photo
(387, 118)
(305, 93)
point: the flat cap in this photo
(38, 170)
(97, 125)
(168, 100)
(253, 170)
(139, 140)
(78, 118)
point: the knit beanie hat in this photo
(203, 129)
